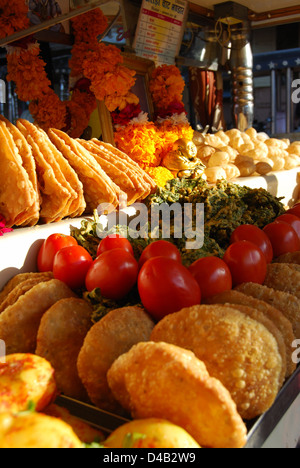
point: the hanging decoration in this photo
(97, 72)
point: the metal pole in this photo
(273, 102)
(288, 100)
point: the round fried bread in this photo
(288, 304)
(261, 318)
(60, 337)
(113, 335)
(166, 381)
(283, 324)
(237, 350)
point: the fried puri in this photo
(112, 336)
(19, 323)
(275, 315)
(287, 303)
(26, 379)
(165, 381)
(236, 349)
(22, 288)
(256, 314)
(36, 430)
(60, 336)
(282, 277)
(289, 257)
(20, 278)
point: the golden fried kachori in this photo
(166, 381)
(236, 349)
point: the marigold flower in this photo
(161, 175)
(13, 17)
(166, 85)
(48, 111)
(140, 142)
(89, 26)
(27, 70)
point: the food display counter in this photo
(58, 178)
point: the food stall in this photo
(128, 141)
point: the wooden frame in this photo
(143, 68)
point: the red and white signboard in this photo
(160, 30)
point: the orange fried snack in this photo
(290, 257)
(60, 336)
(278, 318)
(17, 194)
(98, 187)
(288, 304)
(19, 279)
(22, 288)
(36, 430)
(26, 379)
(236, 349)
(121, 178)
(160, 380)
(29, 165)
(19, 323)
(282, 277)
(55, 194)
(64, 173)
(112, 336)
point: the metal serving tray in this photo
(277, 428)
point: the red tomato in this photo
(114, 272)
(291, 219)
(160, 248)
(283, 238)
(212, 274)
(295, 210)
(71, 265)
(50, 247)
(114, 241)
(166, 286)
(254, 234)
(246, 262)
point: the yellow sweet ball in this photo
(150, 433)
(36, 430)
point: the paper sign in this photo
(160, 30)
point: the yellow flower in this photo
(161, 175)
(48, 111)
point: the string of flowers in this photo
(27, 70)
(148, 142)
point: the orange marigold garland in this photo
(13, 17)
(27, 70)
(111, 81)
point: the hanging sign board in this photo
(160, 30)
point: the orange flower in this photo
(166, 85)
(89, 26)
(110, 80)
(161, 175)
(48, 111)
(140, 142)
(13, 17)
(27, 70)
